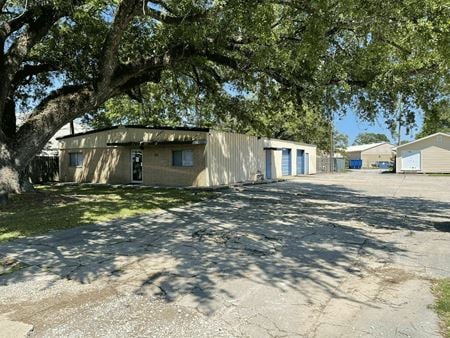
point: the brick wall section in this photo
(113, 165)
(100, 165)
(158, 168)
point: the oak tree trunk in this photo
(13, 178)
(19, 148)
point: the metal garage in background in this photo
(429, 154)
(286, 167)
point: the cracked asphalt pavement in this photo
(340, 255)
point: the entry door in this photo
(306, 164)
(268, 164)
(286, 162)
(136, 166)
(300, 162)
(411, 160)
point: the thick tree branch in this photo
(32, 70)
(11, 62)
(137, 73)
(27, 17)
(109, 61)
(58, 109)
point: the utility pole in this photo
(331, 144)
(399, 119)
(72, 128)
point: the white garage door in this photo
(411, 160)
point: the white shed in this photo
(430, 154)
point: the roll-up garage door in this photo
(286, 162)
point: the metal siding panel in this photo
(233, 157)
(268, 164)
(306, 163)
(300, 163)
(286, 162)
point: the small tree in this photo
(340, 142)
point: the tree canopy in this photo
(437, 119)
(268, 62)
(340, 142)
(367, 138)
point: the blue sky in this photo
(352, 126)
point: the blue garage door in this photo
(300, 162)
(286, 162)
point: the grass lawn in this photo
(55, 207)
(442, 291)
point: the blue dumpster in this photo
(355, 164)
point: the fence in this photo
(323, 164)
(44, 169)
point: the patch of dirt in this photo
(251, 243)
(394, 275)
(45, 317)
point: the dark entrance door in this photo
(136, 166)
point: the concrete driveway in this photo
(328, 255)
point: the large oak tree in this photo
(61, 59)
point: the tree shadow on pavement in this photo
(292, 236)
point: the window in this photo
(75, 159)
(182, 158)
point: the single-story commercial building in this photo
(179, 157)
(430, 154)
(371, 154)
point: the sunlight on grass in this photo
(58, 207)
(442, 291)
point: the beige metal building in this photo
(179, 157)
(370, 154)
(430, 154)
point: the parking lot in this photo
(351, 254)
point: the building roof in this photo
(423, 138)
(135, 127)
(364, 147)
(268, 143)
(51, 148)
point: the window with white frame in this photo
(75, 159)
(182, 158)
